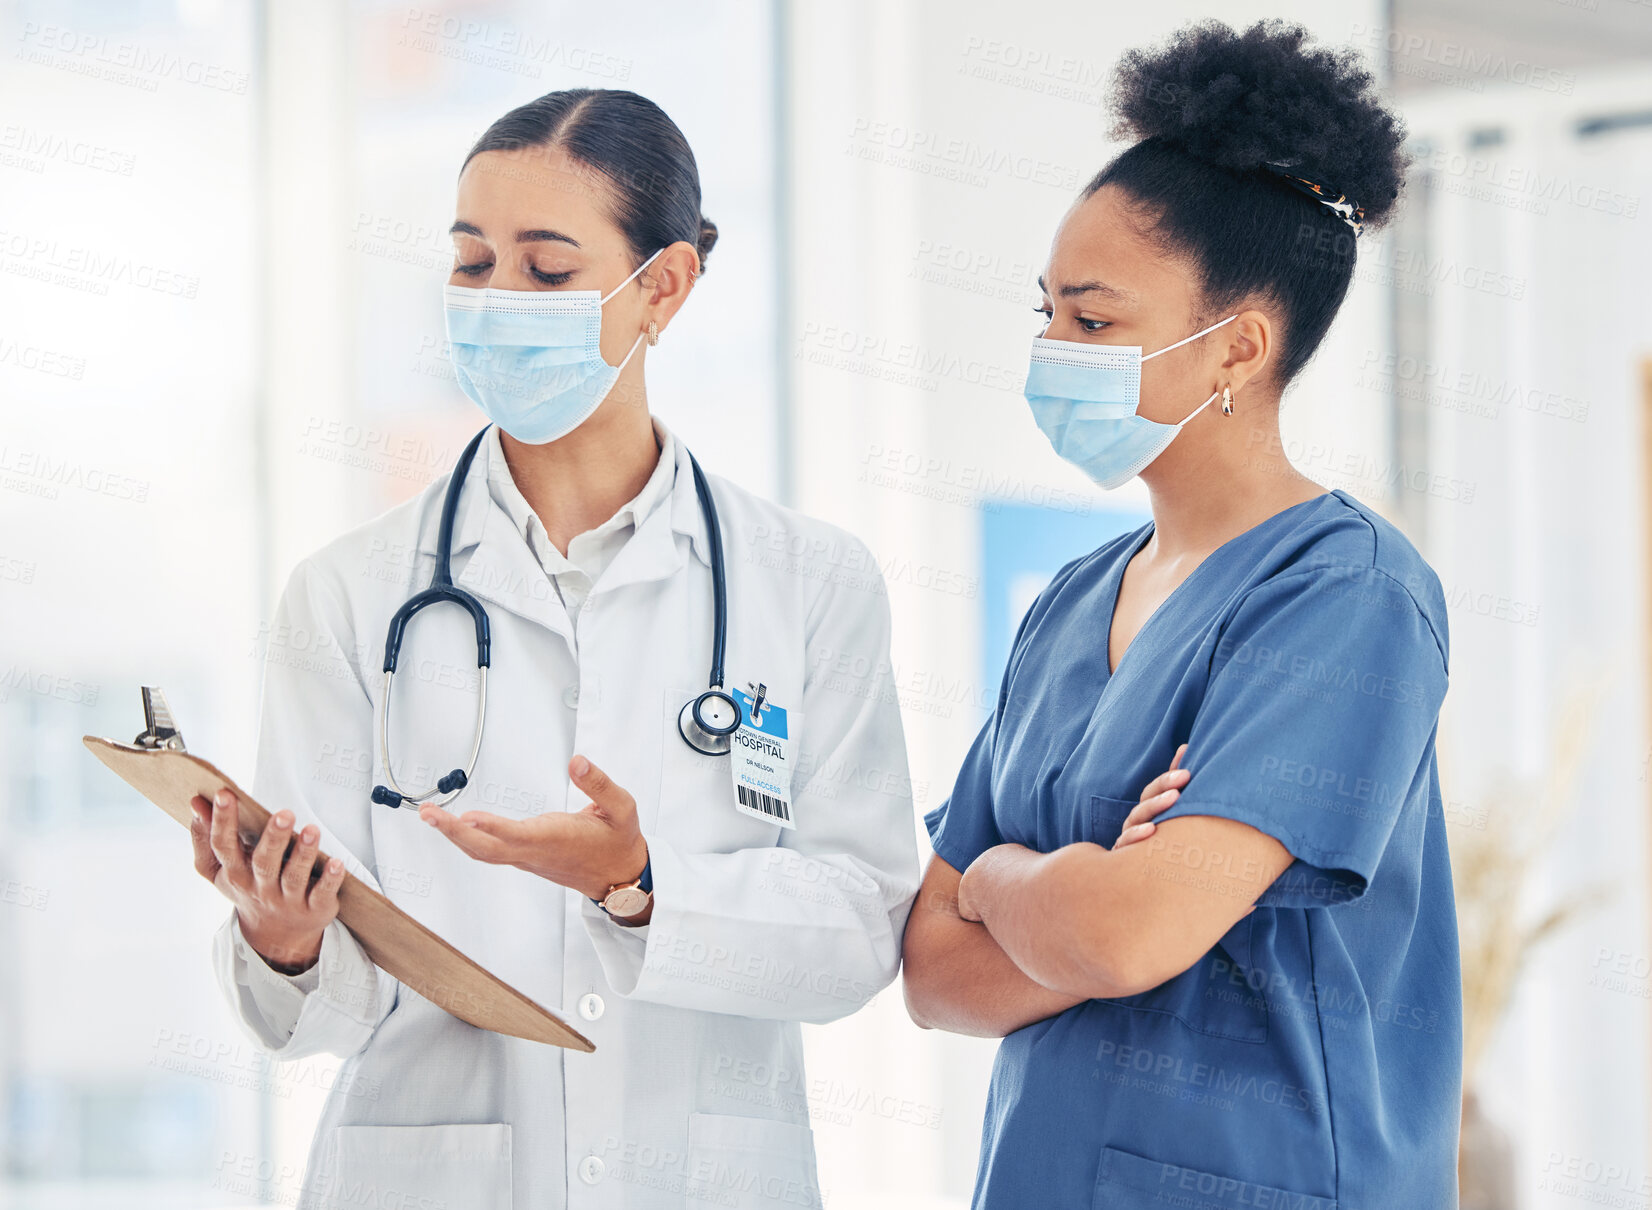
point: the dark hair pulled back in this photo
(628, 141)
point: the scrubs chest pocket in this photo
(1217, 995)
(452, 1165)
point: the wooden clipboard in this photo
(395, 941)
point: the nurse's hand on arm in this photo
(589, 850)
(1157, 798)
(282, 915)
(958, 978)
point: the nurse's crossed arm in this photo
(958, 976)
(1133, 917)
(1149, 911)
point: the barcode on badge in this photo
(768, 804)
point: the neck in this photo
(1214, 489)
(577, 482)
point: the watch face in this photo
(626, 901)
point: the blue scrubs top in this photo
(1313, 1058)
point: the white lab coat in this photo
(695, 1095)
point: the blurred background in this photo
(222, 242)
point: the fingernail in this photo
(283, 819)
(334, 865)
(581, 766)
(310, 835)
(221, 798)
(429, 819)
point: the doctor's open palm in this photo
(591, 850)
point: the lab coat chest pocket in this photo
(448, 1165)
(741, 1163)
(695, 806)
(1217, 995)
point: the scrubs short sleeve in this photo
(966, 825)
(963, 827)
(1317, 723)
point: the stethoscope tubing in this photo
(712, 739)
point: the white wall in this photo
(1537, 403)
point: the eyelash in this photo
(1089, 325)
(549, 279)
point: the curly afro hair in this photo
(1218, 117)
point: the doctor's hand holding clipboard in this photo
(540, 710)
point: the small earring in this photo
(653, 333)
(1227, 401)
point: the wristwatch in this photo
(627, 900)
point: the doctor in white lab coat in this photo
(590, 553)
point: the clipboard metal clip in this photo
(159, 729)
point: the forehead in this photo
(532, 186)
(1103, 239)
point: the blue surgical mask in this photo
(532, 359)
(1085, 399)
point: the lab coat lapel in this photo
(503, 570)
(655, 551)
(490, 559)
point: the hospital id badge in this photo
(760, 758)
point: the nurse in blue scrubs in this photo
(1237, 987)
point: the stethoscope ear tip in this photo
(386, 797)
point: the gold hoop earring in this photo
(653, 333)
(1227, 401)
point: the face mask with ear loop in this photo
(1085, 399)
(532, 359)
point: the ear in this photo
(668, 281)
(1250, 348)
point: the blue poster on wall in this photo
(1022, 547)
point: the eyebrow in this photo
(1074, 289)
(533, 236)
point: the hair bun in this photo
(1262, 100)
(707, 240)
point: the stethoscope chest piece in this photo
(708, 723)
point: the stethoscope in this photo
(707, 723)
